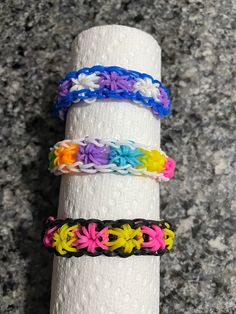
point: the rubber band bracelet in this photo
(93, 237)
(112, 82)
(89, 155)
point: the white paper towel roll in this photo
(103, 285)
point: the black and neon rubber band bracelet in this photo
(93, 237)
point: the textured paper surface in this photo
(104, 285)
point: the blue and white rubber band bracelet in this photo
(100, 82)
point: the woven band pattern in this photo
(100, 82)
(93, 237)
(89, 155)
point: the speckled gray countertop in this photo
(198, 41)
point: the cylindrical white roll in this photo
(103, 285)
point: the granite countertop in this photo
(198, 52)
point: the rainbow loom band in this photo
(113, 82)
(90, 155)
(93, 237)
